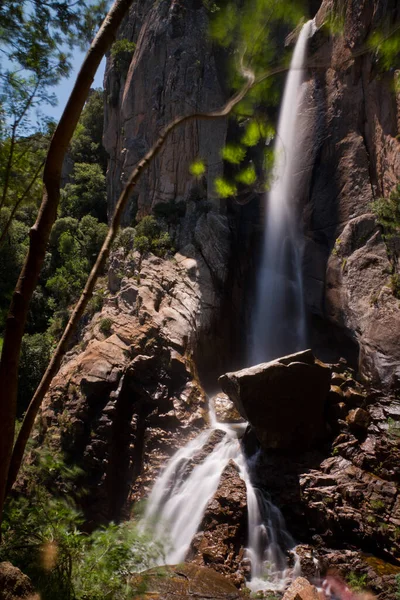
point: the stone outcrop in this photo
(283, 400)
(127, 396)
(301, 589)
(14, 585)
(225, 410)
(186, 582)
(222, 534)
(352, 123)
(344, 494)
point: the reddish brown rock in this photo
(185, 582)
(352, 132)
(358, 419)
(14, 585)
(222, 535)
(301, 589)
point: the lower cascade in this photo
(181, 494)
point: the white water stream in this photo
(279, 323)
(177, 504)
(181, 494)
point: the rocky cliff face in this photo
(173, 72)
(128, 395)
(353, 125)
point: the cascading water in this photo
(279, 323)
(181, 494)
(179, 498)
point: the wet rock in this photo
(301, 589)
(358, 419)
(225, 410)
(14, 585)
(283, 400)
(308, 560)
(184, 582)
(222, 535)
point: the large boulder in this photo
(14, 585)
(184, 582)
(283, 400)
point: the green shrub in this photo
(149, 237)
(356, 582)
(122, 52)
(35, 356)
(395, 285)
(42, 536)
(105, 326)
(387, 211)
(125, 239)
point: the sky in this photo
(64, 88)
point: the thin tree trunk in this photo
(62, 347)
(40, 232)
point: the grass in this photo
(1, 345)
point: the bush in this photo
(35, 356)
(125, 239)
(42, 536)
(122, 52)
(149, 237)
(387, 211)
(105, 326)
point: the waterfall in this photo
(279, 323)
(181, 494)
(179, 498)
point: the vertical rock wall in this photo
(355, 158)
(173, 72)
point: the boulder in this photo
(358, 419)
(14, 585)
(184, 582)
(283, 400)
(301, 589)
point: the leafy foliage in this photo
(87, 194)
(122, 51)
(86, 144)
(197, 168)
(35, 355)
(387, 211)
(149, 237)
(43, 536)
(75, 246)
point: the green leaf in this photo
(247, 176)
(197, 168)
(233, 154)
(224, 189)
